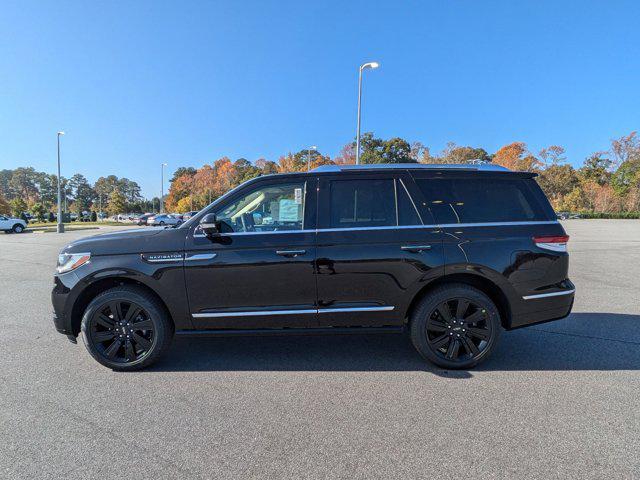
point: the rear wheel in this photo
(455, 326)
(126, 328)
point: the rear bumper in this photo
(546, 306)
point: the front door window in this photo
(277, 207)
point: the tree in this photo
(245, 170)
(515, 156)
(23, 183)
(347, 155)
(377, 150)
(39, 211)
(117, 202)
(184, 205)
(267, 167)
(83, 194)
(456, 154)
(597, 168)
(626, 148)
(553, 155)
(5, 209)
(48, 185)
(181, 171)
(626, 177)
(18, 206)
(397, 150)
(558, 181)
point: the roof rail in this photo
(412, 166)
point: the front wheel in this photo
(126, 328)
(18, 228)
(455, 326)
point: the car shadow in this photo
(583, 341)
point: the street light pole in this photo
(60, 228)
(362, 67)
(162, 187)
(312, 147)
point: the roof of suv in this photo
(411, 166)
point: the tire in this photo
(453, 336)
(18, 228)
(136, 341)
(162, 224)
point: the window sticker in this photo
(288, 211)
(298, 195)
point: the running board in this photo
(222, 332)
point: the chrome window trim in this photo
(197, 235)
(411, 198)
(499, 224)
(292, 312)
(395, 227)
(545, 295)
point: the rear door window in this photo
(480, 200)
(363, 203)
(382, 202)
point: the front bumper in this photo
(60, 300)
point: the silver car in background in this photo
(162, 220)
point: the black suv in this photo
(452, 254)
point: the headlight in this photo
(71, 261)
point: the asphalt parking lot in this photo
(559, 400)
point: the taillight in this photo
(556, 243)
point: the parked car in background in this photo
(177, 215)
(162, 220)
(12, 225)
(188, 215)
(142, 219)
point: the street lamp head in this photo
(313, 147)
(164, 164)
(369, 65)
(60, 132)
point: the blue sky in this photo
(138, 83)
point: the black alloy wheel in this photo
(455, 326)
(458, 329)
(126, 328)
(122, 331)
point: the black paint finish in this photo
(318, 268)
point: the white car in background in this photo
(15, 225)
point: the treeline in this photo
(27, 190)
(608, 182)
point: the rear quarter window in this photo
(483, 200)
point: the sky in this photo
(138, 83)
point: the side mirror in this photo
(209, 224)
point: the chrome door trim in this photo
(292, 312)
(545, 295)
(200, 256)
(356, 309)
(256, 313)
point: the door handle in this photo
(415, 248)
(291, 253)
